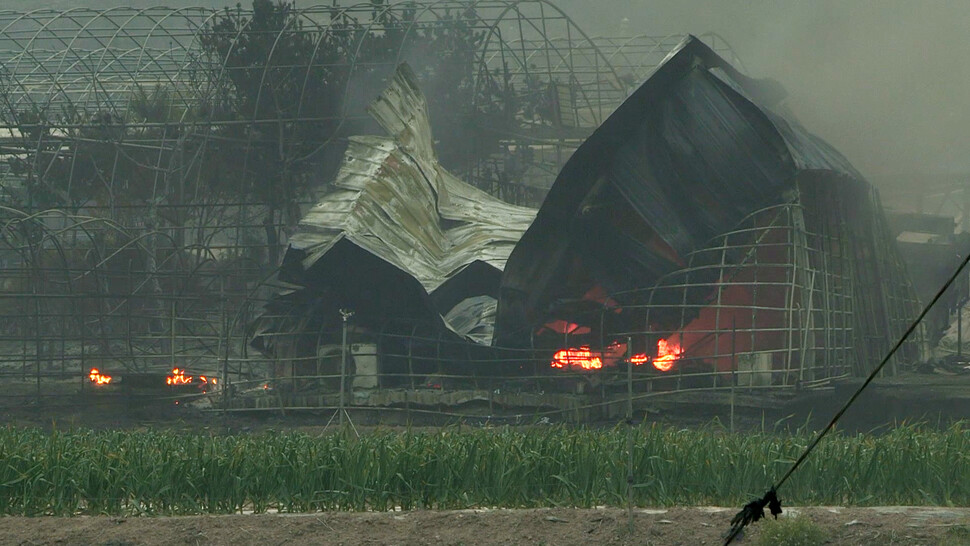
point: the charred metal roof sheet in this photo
(692, 152)
(396, 226)
(392, 198)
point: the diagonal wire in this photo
(744, 517)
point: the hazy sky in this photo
(887, 81)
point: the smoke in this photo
(887, 83)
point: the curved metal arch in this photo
(27, 50)
(47, 236)
(118, 71)
(68, 89)
(105, 47)
(272, 51)
(655, 47)
(213, 81)
(102, 15)
(515, 6)
(436, 7)
(122, 19)
(386, 9)
(639, 61)
(303, 14)
(416, 22)
(97, 271)
(119, 58)
(561, 67)
(172, 78)
(377, 12)
(345, 12)
(781, 208)
(108, 48)
(734, 58)
(80, 223)
(262, 82)
(19, 83)
(353, 63)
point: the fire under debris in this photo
(99, 378)
(397, 239)
(697, 229)
(709, 229)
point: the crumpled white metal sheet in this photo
(392, 198)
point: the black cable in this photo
(754, 510)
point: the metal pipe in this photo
(960, 330)
(345, 314)
(629, 432)
(734, 367)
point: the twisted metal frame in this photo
(97, 61)
(102, 286)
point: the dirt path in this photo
(677, 526)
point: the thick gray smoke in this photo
(887, 82)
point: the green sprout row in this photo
(138, 472)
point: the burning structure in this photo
(712, 233)
(697, 230)
(151, 175)
(399, 240)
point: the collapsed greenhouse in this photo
(169, 203)
(698, 218)
(398, 239)
(695, 229)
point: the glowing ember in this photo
(638, 359)
(577, 358)
(178, 377)
(99, 378)
(181, 377)
(667, 354)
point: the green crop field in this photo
(168, 473)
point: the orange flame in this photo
(178, 377)
(667, 354)
(577, 358)
(639, 358)
(99, 378)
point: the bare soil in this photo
(606, 526)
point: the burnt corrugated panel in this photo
(810, 152)
(393, 199)
(693, 151)
(705, 160)
(392, 206)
